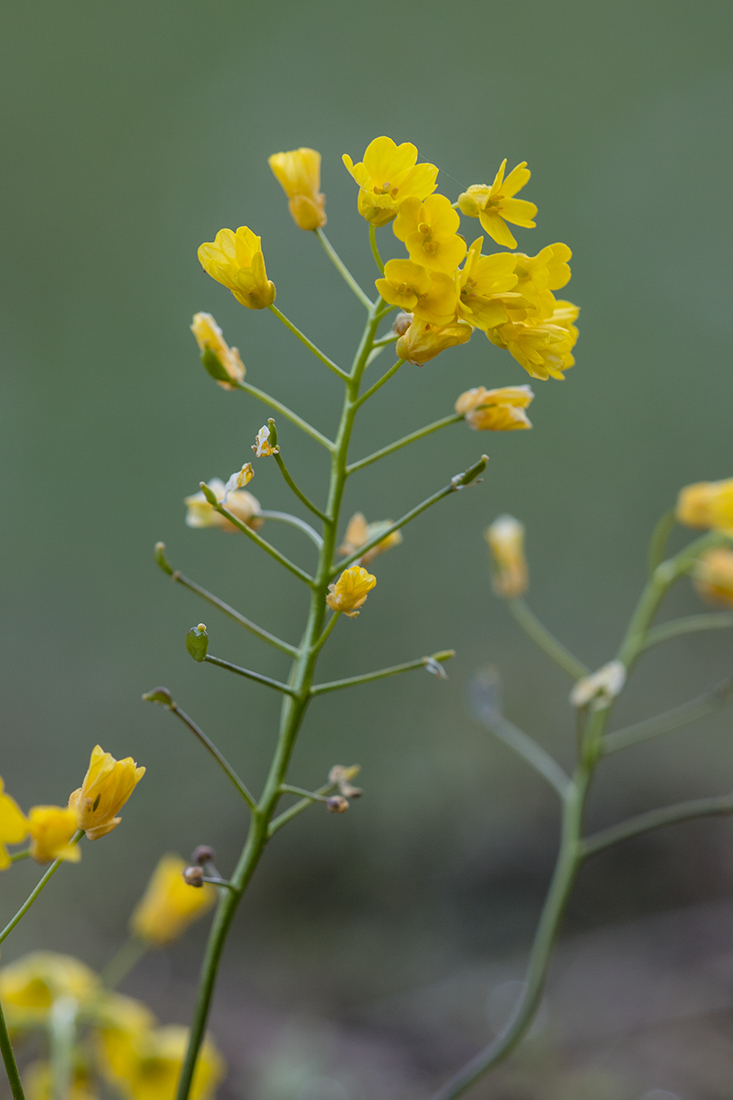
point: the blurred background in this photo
(377, 950)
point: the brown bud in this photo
(337, 804)
(401, 323)
(194, 876)
(203, 854)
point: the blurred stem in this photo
(406, 439)
(658, 541)
(294, 521)
(656, 819)
(62, 1028)
(526, 747)
(722, 620)
(342, 268)
(11, 1066)
(714, 699)
(542, 637)
(125, 960)
(381, 674)
(42, 883)
(20, 855)
(375, 250)
(308, 343)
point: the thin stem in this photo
(264, 545)
(526, 747)
(265, 635)
(715, 699)
(380, 674)
(220, 759)
(308, 343)
(722, 620)
(294, 521)
(547, 642)
(658, 541)
(249, 674)
(20, 855)
(304, 804)
(375, 250)
(342, 268)
(656, 819)
(286, 412)
(125, 960)
(42, 883)
(378, 385)
(327, 631)
(411, 438)
(383, 341)
(298, 492)
(11, 1066)
(312, 796)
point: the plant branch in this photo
(264, 544)
(286, 412)
(722, 620)
(308, 343)
(380, 674)
(342, 268)
(312, 796)
(41, 884)
(658, 541)
(294, 521)
(375, 250)
(525, 746)
(298, 492)
(11, 1066)
(249, 675)
(218, 756)
(411, 438)
(547, 642)
(707, 703)
(293, 811)
(378, 385)
(656, 819)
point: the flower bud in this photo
(203, 854)
(337, 804)
(222, 362)
(422, 341)
(402, 322)
(159, 695)
(161, 559)
(197, 642)
(707, 504)
(194, 876)
(501, 410)
(505, 537)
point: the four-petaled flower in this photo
(299, 174)
(430, 232)
(106, 788)
(495, 206)
(430, 295)
(501, 410)
(235, 260)
(486, 287)
(350, 591)
(387, 176)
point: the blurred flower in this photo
(239, 502)
(147, 1064)
(106, 788)
(423, 341)
(350, 591)
(430, 295)
(495, 206)
(29, 986)
(235, 260)
(486, 287)
(505, 537)
(543, 348)
(38, 1082)
(501, 410)
(707, 504)
(601, 687)
(387, 176)
(262, 446)
(210, 338)
(360, 532)
(538, 276)
(429, 230)
(299, 174)
(713, 576)
(13, 825)
(51, 829)
(169, 905)
(121, 1024)
(342, 776)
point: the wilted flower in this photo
(430, 232)
(239, 478)
(106, 788)
(350, 591)
(707, 504)
(423, 341)
(51, 829)
(262, 446)
(235, 260)
(299, 174)
(713, 576)
(430, 295)
(387, 176)
(543, 348)
(13, 825)
(360, 532)
(505, 537)
(169, 905)
(495, 206)
(29, 986)
(341, 776)
(239, 502)
(210, 338)
(601, 687)
(501, 410)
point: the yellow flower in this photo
(262, 446)
(169, 904)
(543, 348)
(151, 1069)
(38, 1082)
(429, 230)
(13, 825)
(122, 1023)
(360, 532)
(707, 504)
(713, 576)
(430, 295)
(501, 410)
(210, 338)
(51, 829)
(423, 341)
(350, 591)
(299, 174)
(106, 788)
(239, 478)
(538, 276)
(29, 986)
(495, 206)
(235, 260)
(486, 287)
(387, 176)
(239, 502)
(505, 537)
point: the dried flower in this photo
(210, 339)
(713, 576)
(261, 446)
(350, 591)
(423, 341)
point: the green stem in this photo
(294, 521)
(308, 343)
(298, 492)
(120, 965)
(264, 545)
(658, 542)
(327, 631)
(715, 699)
(20, 855)
(265, 635)
(526, 747)
(286, 412)
(375, 250)
(42, 883)
(342, 268)
(11, 1066)
(381, 674)
(221, 761)
(656, 819)
(419, 434)
(304, 804)
(62, 1027)
(542, 637)
(691, 624)
(378, 385)
(312, 796)
(249, 674)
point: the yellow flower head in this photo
(51, 829)
(350, 591)
(486, 287)
(543, 348)
(169, 904)
(122, 1024)
(501, 410)
(538, 276)
(153, 1065)
(106, 788)
(429, 230)
(505, 537)
(38, 1082)
(262, 446)
(299, 174)
(13, 825)
(387, 176)
(210, 338)
(495, 206)
(29, 986)
(430, 295)
(235, 260)
(239, 502)
(713, 576)
(707, 504)
(360, 532)
(423, 341)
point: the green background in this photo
(132, 133)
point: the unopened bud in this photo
(194, 876)
(197, 642)
(214, 366)
(505, 537)
(159, 695)
(401, 323)
(337, 804)
(162, 560)
(203, 854)
(208, 493)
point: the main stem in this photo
(291, 716)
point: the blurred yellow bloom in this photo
(106, 788)
(210, 338)
(429, 230)
(238, 501)
(501, 410)
(430, 295)
(122, 1022)
(169, 905)
(486, 287)
(538, 276)
(360, 532)
(262, 446)
(543, 348)
(299, 174)
(153, 1066)
(51, 829)
(387, 176)
(713, 576)
(235, 260)
(38, 1083)
(350, 591)
(495, 206)
(505, 537)
(707, 504)
(13, 825)
(29, 986)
